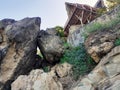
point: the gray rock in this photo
(5, 22)
(51, 46)
(22, 41)
(3, 53)
(37, 80)
(105, 76)
(1, 38)
(100, 43)
(51, 31)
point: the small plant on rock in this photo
(117, 42)
(82, 63)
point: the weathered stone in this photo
(97, 75)
(99, 44)
(21, 39)
(63, 73)
(110, 58)
(85, 84)
(3, 53)
(50, 46)
(112, 69)
(37, 80)
(51, 31)
(73, 28)
(105, 76)
(110, 83)
(5, 22)
(115, 86)
(1, 38)
(63, 69)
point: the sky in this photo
(52, 12)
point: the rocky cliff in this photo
(22, 69)
(18, 48)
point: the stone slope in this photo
(106, 75)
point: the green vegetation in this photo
(101, 11)
(60, 31)
(67, 46)
(117, 42)
(46, 69)
(81, 61)
(100, 26)
(112, 3)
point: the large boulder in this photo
(52, 31)
(21, 39)
(51, 46)
(37, 80)
(100, 43)
(106, 75)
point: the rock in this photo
(1, 38)
(50, 46)
(100, 43)
(85, 84)
(63, 73)
(63, 70)
(5, 22)
(37, 80)
(105, 76)
(22, 41)
(51, 31)
(38, 62)
(110, 84)
(3, 53)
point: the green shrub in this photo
(60, 31)
(117, 42)
(101, 26)
(81, 61)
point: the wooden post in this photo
(81, 18)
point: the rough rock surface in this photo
(63, 70)
(51, 46)
(21, 39)
(100, 43)
(37, 80)
(63, 73)
(51, 31)
(106, 75)
(3, 39)
(6, 22)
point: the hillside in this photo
(92, 64)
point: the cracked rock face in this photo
(37, 80)
(21, 39)
(100, 43)
(51, 46)
(3, 39)
(105, 76)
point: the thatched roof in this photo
(75, 12)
